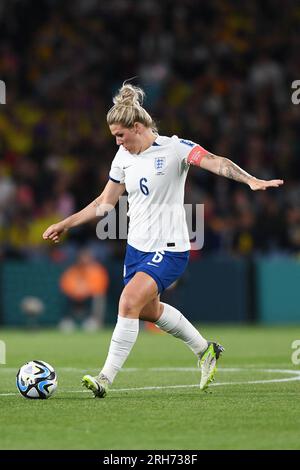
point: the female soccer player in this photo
(153, 170)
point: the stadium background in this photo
(218, 73)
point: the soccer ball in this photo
(36, 379)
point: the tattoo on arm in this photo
(234, 172)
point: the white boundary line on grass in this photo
(234, 369)
(295, 373)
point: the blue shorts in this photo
(164, 267)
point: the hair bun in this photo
(129, 95)
(128, 109)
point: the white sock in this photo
(173, 322)
(122, 341)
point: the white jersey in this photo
(155, 181)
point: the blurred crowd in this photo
(218, 72)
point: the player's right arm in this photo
(97, 208)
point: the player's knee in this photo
(129, 306)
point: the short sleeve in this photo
(188, 151)
(183, 147)
(117, 174)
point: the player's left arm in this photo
(224, 167)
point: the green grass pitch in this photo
(155, 402)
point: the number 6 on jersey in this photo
(143, 187)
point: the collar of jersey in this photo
(154, 144)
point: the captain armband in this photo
(196, 155)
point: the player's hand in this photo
(54, 232)
(257, 184)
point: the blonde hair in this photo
(128, 108)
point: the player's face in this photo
(126, 137)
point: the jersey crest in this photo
(160, 165)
